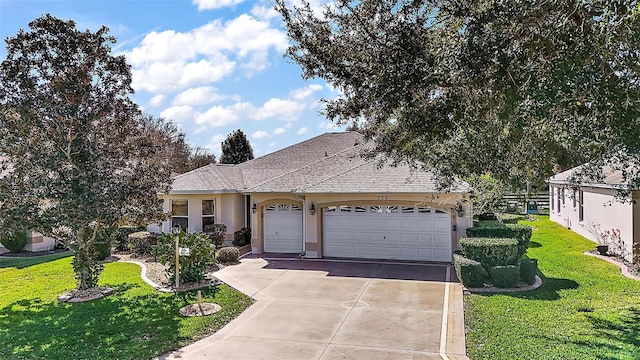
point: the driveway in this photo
(329, 309)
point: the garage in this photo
(283, 228)
(387, 232)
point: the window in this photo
(558, 199)
(360, 209)
(391, 209)
(424, 210)
(407, 209)
(296, 208)
(330, 209)
(270, 208)
(581, 208)
(552, 191)
(283, 207)
(574, 199)
(376, 209)
(344, 208)
(180, 214)
(562, 192)
(208, 213)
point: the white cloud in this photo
(219, 115)
(327, 125)
(305, 93)
(214, 144)
(279, 131)
(260, 134)
(198, 96)
(215, 4)
(264, 12)
(279, 108)
(302, 131)
(157, 100)
(272, 144)
(289, 125)
(178, 113)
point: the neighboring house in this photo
(595, 205)
(320, 198)
(35, 240)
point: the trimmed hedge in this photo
(528, 270)
(242, 237)
(120, 237)
(15, 242)
(470, 272)
(505, 276)
(142, 242)
(228, 254)
(516, 231)
(490, 251)
(102, 250)
(509, 218)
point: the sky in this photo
(210, 66)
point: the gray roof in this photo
(612, 177)
(328, 163)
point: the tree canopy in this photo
(236, 149)
(511, 88)
(75, 145)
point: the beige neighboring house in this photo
(596, 205)
(35, 240)
(319, 198)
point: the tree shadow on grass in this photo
(549, 290)
(118, 326)
(24, 262)
(533, 244)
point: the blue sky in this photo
(211, 66)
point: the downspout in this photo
(304, 223)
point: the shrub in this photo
(193, 268)
(505, 276)
(516, 231)
(216, 233)
(490, 251)
(509, 218)
(142, 242)
(120, 237)
(470, 272)
(242, 237)
(15, 241)
(528, 270)
(487, 216)
(102, 250)
(228, 255)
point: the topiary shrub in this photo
(470, 272)
(120, 237)
(193, 268)
(528, 270)
(14, 241)
(228, 255)
(102, 250)
(216, 233)
(505, 276)
(242, 237)
(490, 251)
(509, 218)
(142, 242)
(516, 231)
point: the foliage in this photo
(486, 193)
(516, 231)
(528, 270)
(236, 149)
(509, 218)
(141, 243)
(550, 322)
(228, 254)
(193, 268)
(78, 152)
(506, 276)
(102, 250)
(135, 322)
(120, 237)
(216, 232)
(490, 251)
(242, 237)
(470, 272)
(15, 241)
(469, 87)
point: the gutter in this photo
(304, 221)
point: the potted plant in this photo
(601, 238)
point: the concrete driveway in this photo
(328, 309)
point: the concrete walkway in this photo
(309, 309)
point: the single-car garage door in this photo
(283, 228)
(387, 232)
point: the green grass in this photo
(136, 322)
(585, 309)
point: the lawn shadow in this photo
(533, 244)
(27, 261)
(549, 290)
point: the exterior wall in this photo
(38, 242)
(312, 223)
(229, 210)
(599, 208)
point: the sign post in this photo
(176, 232)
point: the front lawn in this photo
(136, 322)
(585, 309)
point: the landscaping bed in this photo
(585, 309)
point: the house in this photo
(320, 198)
(593, 207)
(35, 240)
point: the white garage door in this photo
(387, 232)
(283, 228)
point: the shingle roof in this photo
(611, 177)
(331, 162)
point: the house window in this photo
(581, 208)
(558, 199)
(180, 214)
(552, 191)
(208, 213)
(574, 199)
(562, 196)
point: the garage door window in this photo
(376, 209)
(180, 214)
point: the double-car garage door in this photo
(372, 231)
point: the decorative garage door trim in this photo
(283, 228)
(387, 232)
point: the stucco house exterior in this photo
(595, 205)
(320, 198)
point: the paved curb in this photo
(623, 268)
(492, 289)
(143, 275)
